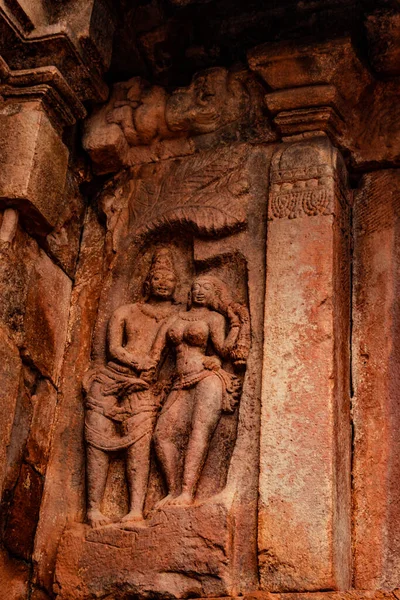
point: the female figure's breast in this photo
(196, 334)
(190, 340)
(175, 333)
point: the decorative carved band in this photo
(298, 201)
(305, 180)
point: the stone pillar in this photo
(376, 368)
(304, 518)
(34, 304)
(41, 212)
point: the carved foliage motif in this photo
(205, 193)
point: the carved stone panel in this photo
(171, 397)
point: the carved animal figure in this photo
(213, 99)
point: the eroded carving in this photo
(305, 181)
(144, 123)
(213, 99)
(201, 390)
(122, 399)
(194, 372)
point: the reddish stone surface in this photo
(24, 512)
(191, 560)
(10, 365)
(46, 316)
(376, 464)
(189, 134)
(34, 163)
(304, 510)
(62, 244)
(14, 578)
(65, 471)
(38, 444)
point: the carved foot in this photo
(185, 499)
(164, 502)
(97, 519)
(133, 516)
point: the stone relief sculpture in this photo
(121, 401)
(172, 399)
(124, 397)
(214, 98)
(143, 123)
(202, 389)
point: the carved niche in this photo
(172, 395)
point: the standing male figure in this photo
(121, 403)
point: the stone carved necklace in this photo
(155, 313)
(193, 317)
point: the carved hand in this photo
(145, 363)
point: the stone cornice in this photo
(47, 84)
(325, 87)
(72, 57)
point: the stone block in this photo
(179, 554)
(34, 164)
(376, 367)
(46, 316)
(285, 65)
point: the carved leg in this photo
(137, 472)
(170, 437)
(206, 414)
(96, 475)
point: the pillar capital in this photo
(313, 86)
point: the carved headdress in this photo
(162, 261)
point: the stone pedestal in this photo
(304, 518)
(180, 553)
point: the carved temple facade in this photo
(199, 307)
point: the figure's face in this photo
(163, 284)
(202, 292)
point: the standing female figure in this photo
(202, 390)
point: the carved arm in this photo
(115, 336)
(224, 345)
